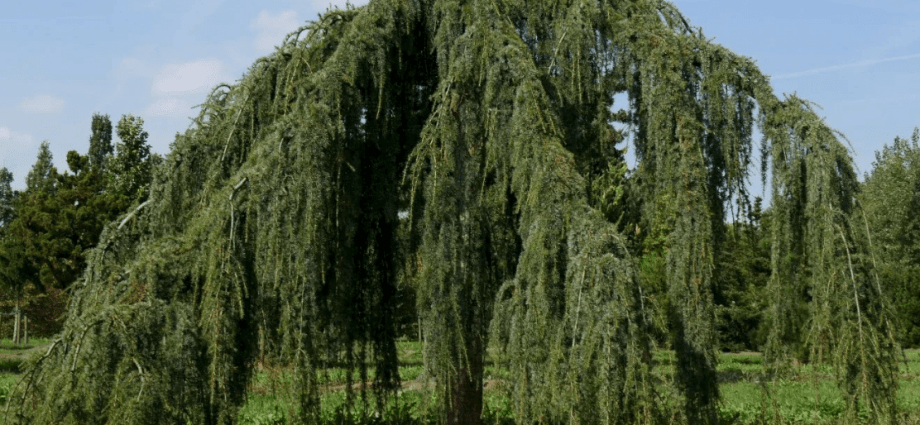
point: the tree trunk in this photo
(16, 320)
(465, 394)
(15, 328)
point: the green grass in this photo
(7, 347)
(811, 397)
(12, 357)
(739, 374)
(743, 400)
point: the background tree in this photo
(11, 256)
(7, 197)
(57, 218)
(890, 196)
(33, 227)
(740, 293)
(131, 167)
(29, 252)
(100, 141)
(43, 175)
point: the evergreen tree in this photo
(131, 166)
(276, 215)
(891, 199)
(43, 175)
(7, 197)
(33, 235)
(27, 250)
(11, 256)
(100, 141)
(741, 286)
(821, 247)
(57, 218)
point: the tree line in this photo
(46, 228)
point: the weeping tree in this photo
(469, 148)
(823, 249)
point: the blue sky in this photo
(61, 61)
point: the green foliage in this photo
(7, 198)
(30, 252)
(890, 197)
(131, 167)
(100, 141)
(272, 231)
(822, 248)
(57, 218)
(42, 176)
(741, 285)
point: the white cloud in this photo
(13, 139)
(188, 78)
(169, 107)
(271, 29)
(42, 103)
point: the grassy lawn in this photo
(739, 374)
(808, 398)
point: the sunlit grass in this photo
(809, 397)
(806, 398)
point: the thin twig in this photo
(232, 129)
(556, 50)
(141, 373)
(232, 219)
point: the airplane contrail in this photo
(844, 66)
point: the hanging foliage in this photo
(822, 249)
(273, 230)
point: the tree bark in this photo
(16, 319)
(465, 394)
(16, 328)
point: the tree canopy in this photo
(48, 226)
(276, 218)
(891, 199)
(100, 141)
(7, 196)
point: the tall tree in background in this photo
(43, 175)
(35, 233)
(131, 166)
(891, 199)
(100, 140)
(11, 253)
(742, 281)
(276, 213)
(59, 216)
(7, 196)
(29, 251)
